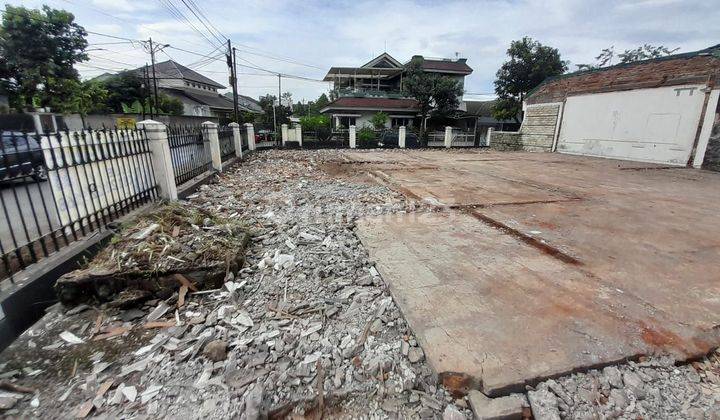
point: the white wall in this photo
(648, 125)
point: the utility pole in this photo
(279, 100)
(235, 93)
(155, 90)
(152, 49)
(146, 89)
(231, 66)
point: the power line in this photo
(221, 40)
(180, 17)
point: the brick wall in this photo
(712, 153)
(684, 69)
(535, 135)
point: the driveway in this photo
(539, 264)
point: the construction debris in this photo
(173, 246)
(304, 327)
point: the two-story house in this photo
(377, 86)
(198, 93)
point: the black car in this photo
(21, 156)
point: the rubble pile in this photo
(650, 389)
(146, 256)
(305, 329)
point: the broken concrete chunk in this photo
(544, 404)
(452, 413)
(71, 338)
(502, 408)
(130, 393)
(140, 235)
(216, 350)
(158, 312)
(415, 355)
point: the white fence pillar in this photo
(353, 139)
(401, 137)
(448, 136)
(298, 134)
(210, 134)
(250, 135)
(488, 136)
(237, 138)
(284, 131)
(156, 133)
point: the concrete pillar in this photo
(251, 135)
(401, 137)
(210, 135)
(448, 136)
(488, 136)
(298, 134)
(237, 138)
(284, 131)
(156, 133)
(353, 139)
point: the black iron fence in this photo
(227, 143)
(189, 151)
(326, 138)
(58, 188)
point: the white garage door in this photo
(647, 125)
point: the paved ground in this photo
(543, 264)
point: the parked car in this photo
(21, 156)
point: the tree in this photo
(87, 97)
(433, 93)
(530, 63)
(644, 52)
(124, 88)
(169, 105)
(38, 48)
(379, 120)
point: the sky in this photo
(305, 38)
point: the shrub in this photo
(366, 137)
(314, 122)
(379, 120)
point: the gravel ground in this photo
(306, 329)
(307, 313)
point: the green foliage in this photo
(282, 113)
(38, 48)
(434, 93)
(169, 105)
(312, 107)
(125, 88)
(367, 137)
(643, 52)
(87, 98)
(379, 120)
(529, 64)
(314, 122)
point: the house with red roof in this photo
(377, 86)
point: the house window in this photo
(397, 122)
(346, 122)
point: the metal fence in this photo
(326, 138)
(227, 143)
(461, 138)
(436, 139)
(189, 151)
(58, 188)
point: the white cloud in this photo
(124, 5)
(327, 33)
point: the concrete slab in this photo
(567, 262)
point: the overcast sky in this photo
(309, 36)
